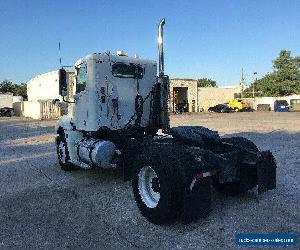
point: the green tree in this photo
(205, 82)
(7, 86)
(284, 80)
(287, 67)
(21, 90)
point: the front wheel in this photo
(63, 152)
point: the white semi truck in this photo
(118, 106)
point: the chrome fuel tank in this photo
(96, 152)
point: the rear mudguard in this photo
(266, 171)
(197, 190)
(197, 200)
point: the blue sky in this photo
(213, 39)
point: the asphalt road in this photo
(43, 207)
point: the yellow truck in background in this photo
(238, 105)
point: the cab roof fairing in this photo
(114, 58)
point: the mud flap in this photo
(266, 172)
(197, 200)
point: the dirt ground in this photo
(42, 206)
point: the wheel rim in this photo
(149, 187)
(62, 152)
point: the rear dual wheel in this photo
(149, 186)
(158, 187)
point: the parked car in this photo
(281, 106)
(220, 108)
(238, 105)
(8, 112)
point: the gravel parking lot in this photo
(42, 206)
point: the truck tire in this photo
(157, 185)
(63, 153)
(248, 178)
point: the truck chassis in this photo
(172, 174)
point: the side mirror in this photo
(63, 86)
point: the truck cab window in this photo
(81, 78)
(123, 70)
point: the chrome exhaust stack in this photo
(161, 47)
(162, 82)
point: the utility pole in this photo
(242, 82)
(254, 80)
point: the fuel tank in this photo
(97, 153)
